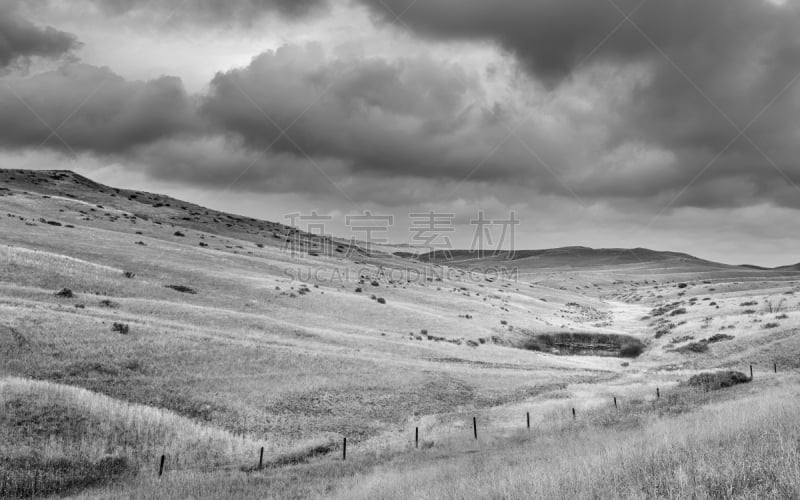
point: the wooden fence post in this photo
(751, 372)
(573, 414)
(416, 437)
(776, 367)
(475, 427)
(528, 416)
(161, 465)
(615, 401)
(261, 458)
(344, 449)
(658, 393)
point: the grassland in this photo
(279, 349)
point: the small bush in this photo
(65, 293)
(120, 328)
(676, 312)
(129, 275)
(180, 234)
(749, 303)
(771, 325)
(381, 300)
(359, 290)
(719, 338)
(631, 349)
(694, 347)
(717, 380)
(182, 289)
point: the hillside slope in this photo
(212, 318)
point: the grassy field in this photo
(238, 344)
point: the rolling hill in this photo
(124, 310)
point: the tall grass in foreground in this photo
(742, 448)
(747, 448)
(66, 438)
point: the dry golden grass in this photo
(746, 448)
(730, 444)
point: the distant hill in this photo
(165, 210)
(575, 257)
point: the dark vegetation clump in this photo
(694, 347)
(180, 234)
(129, 274)
(182, 289)
(120, 328)
(719, 337)
(717, 380)
(108, 303)
(585, 344)
(65, 293)
(381, 300)
(631, 349)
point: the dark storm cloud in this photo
(714, 68)
(21, 39)
(637, 122)
(399, 117)
(212, 11)
(91, 109)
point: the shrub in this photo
(178, 233)
(359, 290)
(381, 300)
(678, 311)
(631, 349)
(717, 380)
(65, 293)
(749, 303)
(129, 275)
(719, 338)
(120, 328)
(182, 289)
(694, 347)
(771, 325)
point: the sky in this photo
(666, 124)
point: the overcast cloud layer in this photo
(682, 113)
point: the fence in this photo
(36, 479)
